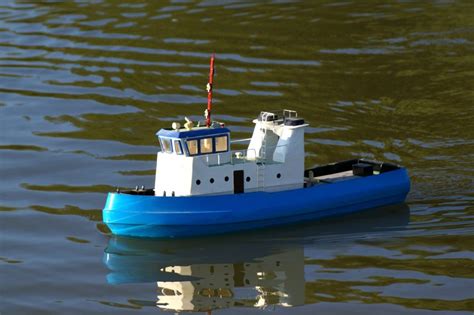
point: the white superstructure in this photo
(199, 161)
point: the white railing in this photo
(232, 157)
(280, 115)
(240, 141)
(242, 156)
(216, 159)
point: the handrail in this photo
(236, 156)
(240, 140)
(218, 157)
(240, 156)
(281, 114)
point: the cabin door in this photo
(238, 182)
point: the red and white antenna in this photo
(207, 113)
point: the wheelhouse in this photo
(195, 142)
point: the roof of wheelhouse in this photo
(192, 133)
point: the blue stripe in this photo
(191, 133)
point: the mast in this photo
(209, 92)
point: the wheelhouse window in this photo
(206, 145)
(221, 143)
(166, 145)
(192, 147)
(177, 147)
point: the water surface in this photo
(85, 85)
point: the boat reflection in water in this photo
(276, 279)
(255, 269)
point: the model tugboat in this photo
(203, 187)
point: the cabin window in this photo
(192, 147)
(221, 144)
(206, 145)
(166, 145)
(177, 147)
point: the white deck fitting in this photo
(336, 175)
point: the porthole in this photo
(248, 179)
(226, 178)
(212, 180)
(278, 175)
(198, 182)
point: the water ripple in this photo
(86, 84)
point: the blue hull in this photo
(152, 216)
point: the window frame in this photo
(170, 141)
(198, 140)
(181, 152)
(197, 147)
(212, 145)
(214, 142)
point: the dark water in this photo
(84, 86)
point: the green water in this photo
(85, 85)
